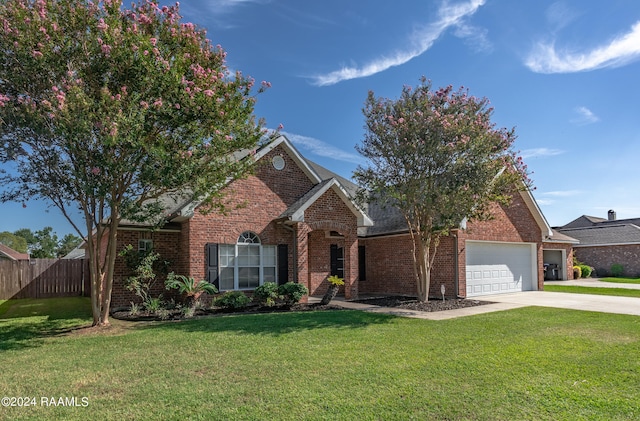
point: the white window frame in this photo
(233, 261)
(145, 245)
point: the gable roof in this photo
(296, 211)
(584, 221)
(7, 252)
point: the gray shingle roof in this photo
(605, 233)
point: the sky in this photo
(564, 74)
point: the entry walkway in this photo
(585, 302)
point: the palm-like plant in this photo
(189, 287)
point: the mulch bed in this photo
(411, 303)
(125, 314)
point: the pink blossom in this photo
(106, 49)
(3, 100)
(135, 48)
(95, 170)
(36, 54)
(153, 41)
(177, 106)
(208, 92)
(145, 52)
(144, 104)
(401, 120)
(102, 26)
(157, 103)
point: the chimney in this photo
(611, 215)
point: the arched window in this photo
(248, 237)
(247, 264)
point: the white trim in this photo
(537, 214)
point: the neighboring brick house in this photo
(604, 242)
(293, 220)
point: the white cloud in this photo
(585, 116)
(321, 148)
(538, 152)
(620, 51)
(474, 36)
(422, 39)
(560, 15)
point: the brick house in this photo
(293, 220)
(603, 242)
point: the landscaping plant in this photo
(107, 108)
(267, 294)
(436, 156)
(189, 287)
(292, 292)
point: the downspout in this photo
(295, 250)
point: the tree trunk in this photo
(329, 295)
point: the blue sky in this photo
(563, 73)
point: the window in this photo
(247, 264)
(145, 245)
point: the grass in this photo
(621, 280)
(622, 292)
(529, 363)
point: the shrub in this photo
(188, 286)
(617, 270)
(145, 266)
(232, 300)
(577, 272)
(267, 293)
(153, 305)
(585, 271)
(292, 292)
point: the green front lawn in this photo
(622, 292)
(530, 363)
(621, 280)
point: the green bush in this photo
(267, 293)
(585, 271)
(232, 300)
(292, 292)
(617, 270)
(577, 272)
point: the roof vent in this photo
(611, 215)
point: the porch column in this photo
(302, 255)
(351, 266)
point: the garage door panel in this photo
(498, 268)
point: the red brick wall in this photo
(330, 213)
(389, 263)
(513, 223)
(167, 244)
(602, 257)
(254, 203)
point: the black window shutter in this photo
(362, 264)
(212, 264)
(283, 264)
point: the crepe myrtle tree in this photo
(106, 109)
(436, 156)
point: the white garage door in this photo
(494, 268)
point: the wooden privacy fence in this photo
(44, 278)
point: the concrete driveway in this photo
(587, 302)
